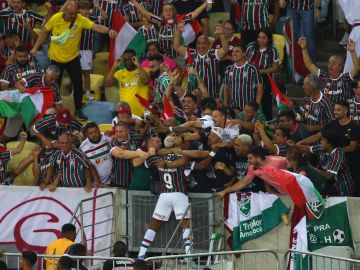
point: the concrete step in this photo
(295, 90)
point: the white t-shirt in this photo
(100, 156)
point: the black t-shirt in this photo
(241, 167)
(185, 7)
(117, 265)
(346, 134)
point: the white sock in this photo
(186, 239)
(148, 239)
(88, 92)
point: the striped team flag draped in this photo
(31, 104)
(128, 38)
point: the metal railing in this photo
(81, 210)
(90, 262)
(317, 261)
(249, 259)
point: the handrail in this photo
(318, 255)
(203, 254)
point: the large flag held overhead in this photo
(251, 215)
(328, 226)
(282, 101)
(127, 38)
(31, 104)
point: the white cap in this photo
(218, 131)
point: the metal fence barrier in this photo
(90, 262)
(317, 261)
(263, 259)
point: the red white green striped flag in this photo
(32, 104)
(127, 38)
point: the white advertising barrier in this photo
(30, 219)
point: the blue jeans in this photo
(304, 25)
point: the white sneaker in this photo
(344, 39)
(90, 97)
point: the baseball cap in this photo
(206, 121)
(63, 116)
(124, 110)
(218, 131)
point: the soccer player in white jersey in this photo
(95, 147)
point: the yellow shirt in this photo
(70, 50)
(130, 84)
(56, 247)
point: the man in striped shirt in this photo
(159, 76)
(123, 148)
(254, 16)
(23, 68)
(109, 6)
(317, 110)
(334, 166)
(47, 79)
(243, 83)
(6, 155)
(73, 168)
(354, 103)
(335, 85)
(148, 30)
(95, 147)
(173, 197)
(204, 59)
(53, 126)
(302, 14)
(22, 21)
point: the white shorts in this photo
(86, 59)
(169, 202)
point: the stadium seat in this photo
(217, 18)
(96, 86)
(105, 127)
(41, 10)
(100, 112)
(112, 94)
(101, 63)
(26, 177)
(68, 102)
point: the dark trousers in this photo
(267, 98)
(73, 68)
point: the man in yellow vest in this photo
(60, 246)
(66, 28)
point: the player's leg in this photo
(86, 67)
(161, 213)
(180, 204)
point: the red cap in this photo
(63, 116)
(124, 110)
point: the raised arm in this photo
(110, 80)
(103, 14)
(200, 9)
(268, 144)
(222, 52)
(141, 9)
(20, 146)
(356, 64)
(181, 50)
(313, 69)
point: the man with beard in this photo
(21, 69)
(159, 76)
(132, 79)
(95, 147)
(242, 145)
(347, 134)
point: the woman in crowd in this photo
(265, 57)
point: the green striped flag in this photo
(251, 215)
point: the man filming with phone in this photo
(133, 81)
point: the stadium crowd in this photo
(193, 116)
